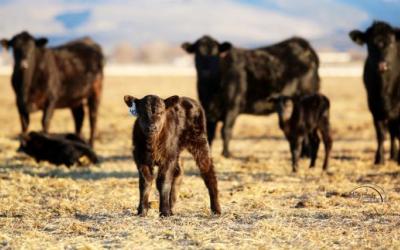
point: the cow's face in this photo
(23, 45)
(151, 111)
(207, 53)
(382, 42)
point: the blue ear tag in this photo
(132, 110)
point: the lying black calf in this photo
(58, 149)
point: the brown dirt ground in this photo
(264, 205)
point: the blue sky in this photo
(244, 22)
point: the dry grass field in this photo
(264, 205)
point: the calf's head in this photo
(151, 111)
(284, 106)
(207, 52)
(382, 43)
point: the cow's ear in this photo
(189, 47)
(357, 36)
(128, 99)
(225, 46)
(5, 44)
(171, 101)
(41, 42)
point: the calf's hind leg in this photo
(327, 139)
(204, 162)
(177, 179)
(314, 143)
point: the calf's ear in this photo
(357, 36)
(188, 47)
(171, 101)
(128, 99)
(5, 44)
(225, 46)
(41, 42)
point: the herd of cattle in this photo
(280, 78)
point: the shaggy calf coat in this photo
(305, 117)
(163, 129)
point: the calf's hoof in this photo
(216, 211)
(142, 212)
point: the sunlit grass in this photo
(43, 206)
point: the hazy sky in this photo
(246, 23)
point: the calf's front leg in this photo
(164, 185)
(295, 149)
(146, 178)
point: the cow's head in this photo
(23, 45)
(207, 52)
(382, 42)
(151, 111)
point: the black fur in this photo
(231, 81)
(58, 149)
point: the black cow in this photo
(62, 77)
(231, 81)
(382, 82)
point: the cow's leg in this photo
(227, 128)
(177, 179)
(24, 118)
(47, 115)
(394, 132)
(314, 146)
(295, 149)
(211, 126)
(146, 177)
(201, 154)
(380, 129)
(78, 113)
(306, 149)
(94, 103)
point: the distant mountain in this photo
(246, 23)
